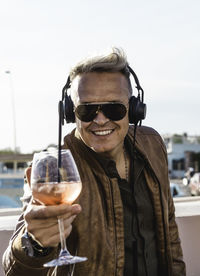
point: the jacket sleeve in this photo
(178, 265)
(15, 261)
(167, 231)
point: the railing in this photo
(187, 217)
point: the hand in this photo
(42, 223)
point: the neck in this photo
(119, 155)
(115, 154)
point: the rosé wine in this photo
(53, 193)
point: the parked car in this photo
(176, 190)
(194, 185)
(187, 176)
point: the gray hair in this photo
(113, 61)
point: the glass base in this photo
(65, 259)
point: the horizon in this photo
(165, 135)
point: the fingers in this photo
(50, 223)
(42, 222)
(44, 212)
(48, 234)
(28, 175)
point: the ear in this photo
(28, 175)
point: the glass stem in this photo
(62, 237)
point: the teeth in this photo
(104, 132)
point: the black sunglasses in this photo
(112, 110)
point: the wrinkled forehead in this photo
(99, 85)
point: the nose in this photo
(100, 119)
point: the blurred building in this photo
(12, 167)
(183, 152)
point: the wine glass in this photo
(55, 180)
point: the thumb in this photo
(28, 175)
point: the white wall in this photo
(187, 217)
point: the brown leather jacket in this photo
(98, 231)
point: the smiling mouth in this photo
(102, 132)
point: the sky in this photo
(42, 39)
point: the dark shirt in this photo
(139, 223)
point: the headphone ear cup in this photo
(68, 109)
(137, 110)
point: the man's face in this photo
(102, 134)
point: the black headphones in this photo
(137, 108)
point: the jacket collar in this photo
(151, 146)
(148, 143)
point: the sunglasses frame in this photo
(100, 105)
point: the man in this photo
(125, 222)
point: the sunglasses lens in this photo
(87, 112)
(114, 112)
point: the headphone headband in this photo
(138, 86)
